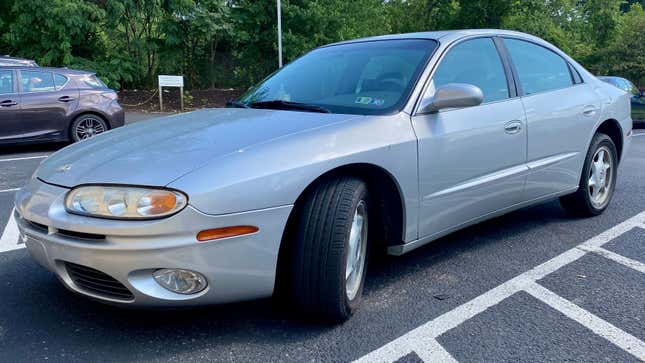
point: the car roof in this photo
(444, 35)
(65, 71)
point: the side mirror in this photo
(452, 95)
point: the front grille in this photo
(80, 235)
(40, 227)
(97, 282)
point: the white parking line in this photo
(624, 340)
(10, 190)
(638, 134)
(25, 158)
(626, 261)
(417, 339)
(10, 237)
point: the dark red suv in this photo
(54, 104)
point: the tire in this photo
(583, 203)
(320, 245)
(87, 126)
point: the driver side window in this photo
(474, 62)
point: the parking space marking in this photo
(25, 158)
(10, 190)
(10, 237)
(417, 339)
(626, 261)
(618, 337)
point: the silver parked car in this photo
(383, 143)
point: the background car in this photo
(13, 61)
(637, 100)
(54, 104)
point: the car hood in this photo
(158, 151)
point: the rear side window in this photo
(475, 62)
(37, 81)
(92, 81)
(6, 81)
(59, 81)
(539, 69)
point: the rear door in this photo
(47, 103)
(9, 105)
(561, 112)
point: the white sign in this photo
(171, 81)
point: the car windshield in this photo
(370, 78)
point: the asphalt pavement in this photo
(534, 285)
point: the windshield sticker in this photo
(369, 101)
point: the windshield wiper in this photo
(288, 105)
(236, 104)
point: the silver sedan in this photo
(378, 144)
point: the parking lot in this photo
(534, 285)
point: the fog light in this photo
(180, 281)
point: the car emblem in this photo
(64, 168)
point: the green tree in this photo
(193, 30)
(54, 31)
(625, 56)
(306, 24)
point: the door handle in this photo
(8, 103)
(513, 127)
(66, 99)
(589, 110)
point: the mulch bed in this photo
(148, 100)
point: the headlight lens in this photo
(124, 202)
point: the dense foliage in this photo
(232, 43)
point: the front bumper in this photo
(237, 268)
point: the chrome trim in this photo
(501, 174)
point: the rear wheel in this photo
(330, 249)
(598, 179)
(86, 126)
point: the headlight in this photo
(123, 202)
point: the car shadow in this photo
(32, 148)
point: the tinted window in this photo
(59, 80)
(33, 81)
(360, 78)
(539, 69)
(475, 62)
(92, 81)
(6, 82)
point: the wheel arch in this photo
(81, 114)
(385, 193)
(612, 128)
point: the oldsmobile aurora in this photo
(377, 144)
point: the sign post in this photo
(279, 6)
(171, 81)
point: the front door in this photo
(9, 105)
(471, 160)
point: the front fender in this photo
(276, 173)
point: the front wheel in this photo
(330, 249)
(598, 179)
(86, 126)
